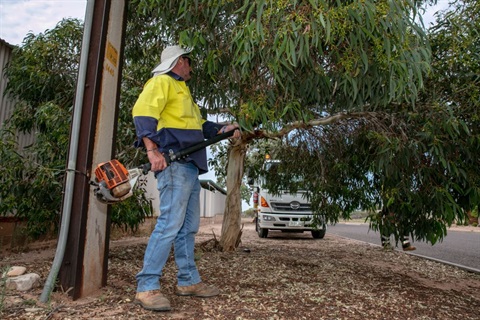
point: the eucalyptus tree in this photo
(42, 77)
(420, 161)
(276, 66)
(455, 84)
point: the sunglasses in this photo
(188, 59)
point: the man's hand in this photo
(229, 127)
(157, 160)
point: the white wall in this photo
(152, 193)
(211, 203)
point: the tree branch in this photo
(318, 122)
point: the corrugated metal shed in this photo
(7, 104)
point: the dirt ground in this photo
(285, 276)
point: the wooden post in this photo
(85, 263)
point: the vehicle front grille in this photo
(285, 206)
(305, 219)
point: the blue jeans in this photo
(177, 224)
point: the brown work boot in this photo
(197, 290)
(152, 300)
(409, 248)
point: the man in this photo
(406, 245)
(387, 220)
(166, 118)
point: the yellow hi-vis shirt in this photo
(170, 102)
(166, 114)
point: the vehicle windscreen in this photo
(276, 180)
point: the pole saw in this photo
(114, 183)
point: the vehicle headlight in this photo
(268, 218)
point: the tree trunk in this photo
(231, 226)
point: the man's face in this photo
(184, 68)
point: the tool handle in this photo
(187, 151)
(146, 168)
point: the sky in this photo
(20, 17)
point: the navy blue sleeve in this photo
(145, 127)
(210, 129)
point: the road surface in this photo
(461, 248)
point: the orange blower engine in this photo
(113, 182)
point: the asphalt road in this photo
(460, 248)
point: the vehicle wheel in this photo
(262, 233)
(318, 234)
